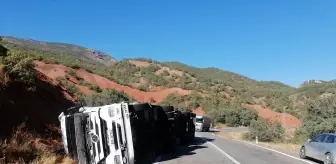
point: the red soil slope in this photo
(37, 108)
(266, 113)
(55, 70)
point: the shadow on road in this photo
(187, 149)
(314, 160)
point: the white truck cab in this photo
(103, 134)
(203, 123)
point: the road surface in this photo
(197, 153)
(211, 149)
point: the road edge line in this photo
(221, 151)
(269, 150)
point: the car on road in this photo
(322, 147)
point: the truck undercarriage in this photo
(124, 133)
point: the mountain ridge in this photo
(61, 48)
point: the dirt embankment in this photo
(55, 70)
(285, 119)
(37, 109)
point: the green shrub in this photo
(75, 66)
(266, 131)
(74, 74)
(232, 118)
(84, 83)
(69, 87)
(107, 96)
(96, 88)
(144, 88)
(319, 117)
(246, 116)
(19, 67)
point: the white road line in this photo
(223, 152)
(270, 150)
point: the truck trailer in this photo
(123, 133)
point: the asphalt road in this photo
(211, 149)
(198, 152)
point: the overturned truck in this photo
(124, 133)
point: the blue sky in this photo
(284, 40)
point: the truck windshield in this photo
(199, 120)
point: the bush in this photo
(75, 66)
(266, 131)
(84, 83)
(70, 87)
(96, 88)
(143, 88)
(3, 50)
(107, 96)
(74, 74)
(246, 116)
(232, 118)
(232, 115)
(19, 67)
(319, 118)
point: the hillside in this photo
(174, 83)
(146, 80)
(58, 49)
(38, 80)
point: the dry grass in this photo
(28, 147)
(220, 125)
(232, 135)
(286, 147)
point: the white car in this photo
(322, 147)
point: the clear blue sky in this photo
(284, 40)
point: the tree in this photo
(246, 116)
(3, 50)
(19, 67)
(232, 118)
(319, 118)
(266, 131)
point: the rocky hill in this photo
(312, 82)
(58, 49)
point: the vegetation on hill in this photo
(318, 118)
(107, 96)
(265, 131)
(216, 89)
(221, 94)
